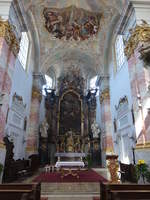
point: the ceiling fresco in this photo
(73, 32)
(71, 23)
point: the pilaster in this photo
(106, 122)
(33, 135)
(9, 48)
(137, 51)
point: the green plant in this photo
(1, 168)
(142, 170)
(88, 159)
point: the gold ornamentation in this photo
(104, 95)
(113, 167)
(2, 145)
(36, 93)
(31, 149)
(141, 33)
(6, 32)
(143, 146)
(122, 102)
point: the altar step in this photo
(70, 191)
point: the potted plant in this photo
(88, 160)
(142, 171)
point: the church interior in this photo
(74, 99)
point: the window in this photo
(48, 85)
(93, 86)
(93, 82)
(23, 52)
(119, 49)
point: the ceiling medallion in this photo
(71, 23)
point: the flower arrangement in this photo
(142, 171)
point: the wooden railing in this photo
(20, 191)
(124, 191)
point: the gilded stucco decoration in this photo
(6, 32)
(36, 94)
(71, 23)
(122, 101)
(113, 166)
(104, 95)
(141, 33)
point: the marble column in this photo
(106, 122)
(137, 51)
(33, 134)
(9, 48)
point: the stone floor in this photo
(70, 191)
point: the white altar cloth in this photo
(69, 164)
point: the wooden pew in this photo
(124, 191)
(20, 191)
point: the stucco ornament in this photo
(140, 34)
(6, 32)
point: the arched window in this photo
(93, 82)
(24, 47)
(48, 85)
(93, 86)
(119, 49)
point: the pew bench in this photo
(20, 191)
(124, 191)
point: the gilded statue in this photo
(62, 144)
(77, 144)
(70, 142)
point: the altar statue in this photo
(62, 144)
(44, 128)
(70, 142)
(95, 130)
(77, 144)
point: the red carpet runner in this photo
(84, 176)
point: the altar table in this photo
(71, 166)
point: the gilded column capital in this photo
(141, 33)
(36, 94)
(104, 95)
(6, 32)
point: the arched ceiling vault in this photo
(89, 54)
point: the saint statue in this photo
(44, 128)
(70, 142)
(95, 130)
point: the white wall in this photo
(22, 85)
(119, 87)
(124, 137)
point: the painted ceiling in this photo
(90, 23)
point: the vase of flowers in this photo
(142, 172)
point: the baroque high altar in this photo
(69, 114)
